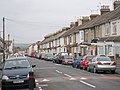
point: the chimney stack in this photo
(76, 23)
(116, 4)
(85, 19)
(92, 16)
(72, 24)
(79, 21)
(104, 9)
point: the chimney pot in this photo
(116, 4)
(104, 9)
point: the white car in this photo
(101, 63)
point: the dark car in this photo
(60, 57)
(76, 63)
(15, 73)
(49, 57)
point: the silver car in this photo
(101, 63)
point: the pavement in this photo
(118, 71)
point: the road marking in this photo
(40, 88)
(67, 75)
(58, 71)
(83, 78)
(72, 79)
(43, 85)
(58, 64)
(88, 84)
(45, 80)
(102, 75)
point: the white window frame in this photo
(107, 29)
(114, 29)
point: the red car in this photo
(85, 61)
(68, 59)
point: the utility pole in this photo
(8, 41)
(3, 39)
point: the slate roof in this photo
(70, 31)
(108, 16)
(110, 39)
(104, 18)
(51, 38)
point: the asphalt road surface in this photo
(52, 76)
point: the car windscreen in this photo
(89, 58)
(68, 57)
(16, 64)
(103, 59)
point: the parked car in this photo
(76, 62)
(68, 59)
(102, 63)
(38, 55)
(55, 59)
(85, 61)
(60, 57)
(43, 56)
(15, 73)
(32, 54)
(49, 57)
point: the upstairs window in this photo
(107, 29)
(74, 38)
(114, 28)
(70, 39)
(82, 35)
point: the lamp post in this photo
(3, 39)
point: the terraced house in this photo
(96, 35)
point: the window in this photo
(107, 29)
(82, 35)
(97, 32)
(110, 49)
(56, 42)
(70, 39)
(103, 59)
(74, 38)
(101, 50)
(114, 28)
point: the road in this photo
(52, 76)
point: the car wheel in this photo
(88, 69)
(95, 70)
(113, 71)
(76, 66)
(34, 85)
(84, 68)
(81, 67)
(73, 66)
(3, 88)
(53, 61)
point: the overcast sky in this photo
(28, 21)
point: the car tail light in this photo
(86, 62)
(114, 63)
(99, 63)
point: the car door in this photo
(92, 63)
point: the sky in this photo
(28, 21)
